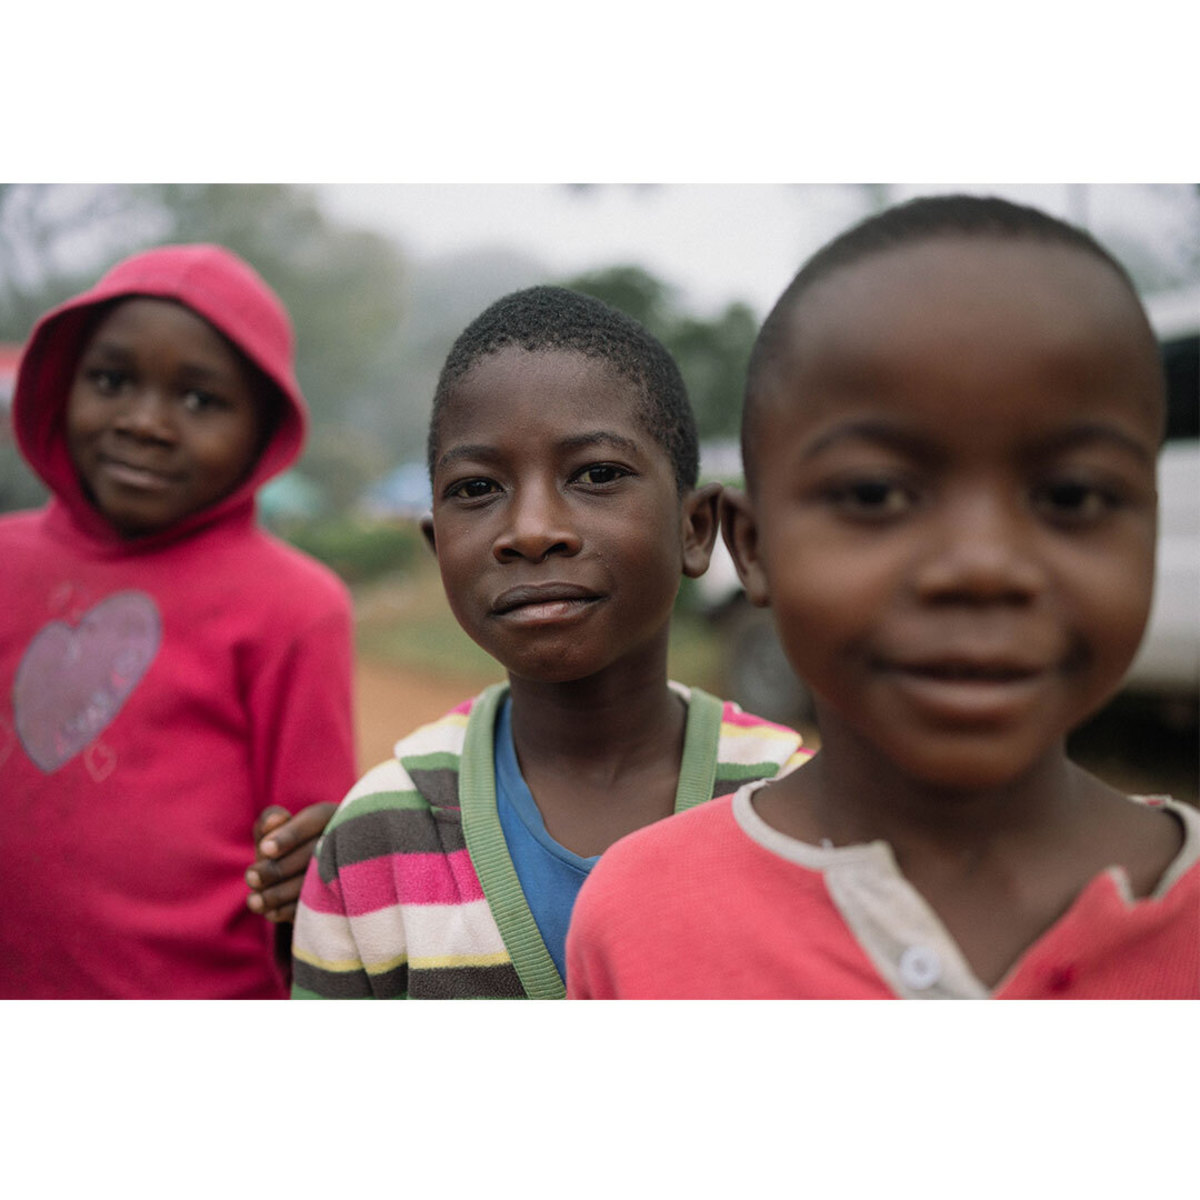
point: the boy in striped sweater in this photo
(564, 462)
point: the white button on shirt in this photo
(920, 967)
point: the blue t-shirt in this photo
(550, 874)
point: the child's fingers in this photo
(285, 848)
(268, 819)
(304, 827)
(267, 872)
(277, 903)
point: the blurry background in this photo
(380, 279)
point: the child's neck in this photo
(601, 756)
(998, 865)
(615, 715)
(859, 797)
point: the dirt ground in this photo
(392, 701)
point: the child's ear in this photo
(701, 520)
(427, 532)
(740, 531)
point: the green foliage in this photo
(341, 459)
(19, 486)
(712, 357)
(712, 353)
(358, 550)
(634, 291)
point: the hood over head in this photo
(218, 286)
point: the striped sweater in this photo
(411, 892)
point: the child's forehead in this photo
(542, 382)
(965, 326)
(559, 363)
(966, 277)
(988, 301)
(166, 320)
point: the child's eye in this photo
(1075, 502)
(470, 489)
(106, 380)
(196, 401)
(600, 473)
(872, 499)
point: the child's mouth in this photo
(132, 475)
(971, 672)
(552, 610)
(971, 691)
(542, 603)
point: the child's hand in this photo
(285, 844)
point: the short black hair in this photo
(556, 318)
(923, 219)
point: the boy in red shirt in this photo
(176, 682)
(951, 425)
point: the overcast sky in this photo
(718, 242)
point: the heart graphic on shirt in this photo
(72, 682)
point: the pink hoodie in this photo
(211, 281)
(157, 694)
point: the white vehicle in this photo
(1168, 664)
(1167, 667)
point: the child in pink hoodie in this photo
(174, 682)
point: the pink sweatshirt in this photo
(156, 695)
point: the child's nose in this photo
(146, 413)
(538, 525)
(984, 552)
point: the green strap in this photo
(489, 853)
(698, 770)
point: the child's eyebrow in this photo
(204, 374)
(479, 451)
(1092, 432)
(870, 430)
(892, 436)
(108, 350)
(483, 452)
(600, 437)
(116, 352)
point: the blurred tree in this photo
(711, 352)
(19, 486)
(342, 286)
(713, 355)
(444, 295)
(636, 292)
(52, 242)
(341, 458)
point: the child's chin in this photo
(550, 673)
(974, 766)
(133, 528)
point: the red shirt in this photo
(714, 904)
